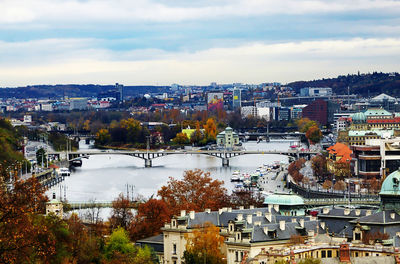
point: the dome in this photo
(359, 117)
(391, 185)
(284, 199)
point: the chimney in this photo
(241, 207)
(294, 220)
(220, 211)
(301, 222)
(207, 210)
(322, 225)
(325, 210)
(268, 216)
(229, 209)
(249, 218)
(183, 212)
(282, 224)
(251, 207)
(240, 217)
(191, 215)
(266, 230)
(276, 207)
(258, 213)
(346, 211)
(368, 212)
(270, 208)
(311, 237)
(257, 223)
(392, 215)
(358, 212)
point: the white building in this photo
(227, 139)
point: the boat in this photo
(64, 172)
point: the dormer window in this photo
(173, 222)
(231, 227)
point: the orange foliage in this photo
(205, 242)
(196, 191)
(150, 217)
(121, 215)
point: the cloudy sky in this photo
(162, 42)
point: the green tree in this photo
(41, 157)
(181, 139)
(120, 247)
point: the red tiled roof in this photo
(383, 120)
(341, 150)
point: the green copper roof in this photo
(377, 112)
(359, 117)
(284, 199)
(391, 185)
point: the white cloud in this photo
(79, 62)
(123, 11)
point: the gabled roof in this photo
(382, 97)
(377, 112)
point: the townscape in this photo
(199, 132)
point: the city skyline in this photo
(160, 43)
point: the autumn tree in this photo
(246, 198)
(210, 130)
(204, 245)
(294, 170)
(121, 215)
(197, 136)
(196, 191)
(372, 237)
(319, 166)
(297, 239)
(304, 124)
(181, 139)
(314, 134)
(342, 169)
(25, 233)
(339, 185)
(374, 184)
(327, 185)
(103, 137)
(149, 219)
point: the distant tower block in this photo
(55, 207)
(120, 89)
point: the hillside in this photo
(362, 84)
(73, 90)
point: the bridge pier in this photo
(225, 162)
(147, 163)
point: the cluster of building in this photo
(286, 229)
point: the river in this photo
(104, 177)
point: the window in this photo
(356, 254)
(367, 254)
(174, 249)
(323, 254)
(357, 236)
(236, 256)
(241, 255)
(329, 253)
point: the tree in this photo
(196, 191)
(210, 130)
(342, 169)
(374, 184)
(103, 137)
(304, 124)
(294, 169)
(318, 164)
(327, 185)
(197, 136)
(339, 185)
(181, 139)
(121, 215)
(25, 234)
(314, 134)
(149, 219)
(204, 245)
(119, 247)
(296, 239)
(246, 198)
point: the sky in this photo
(160, 42)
